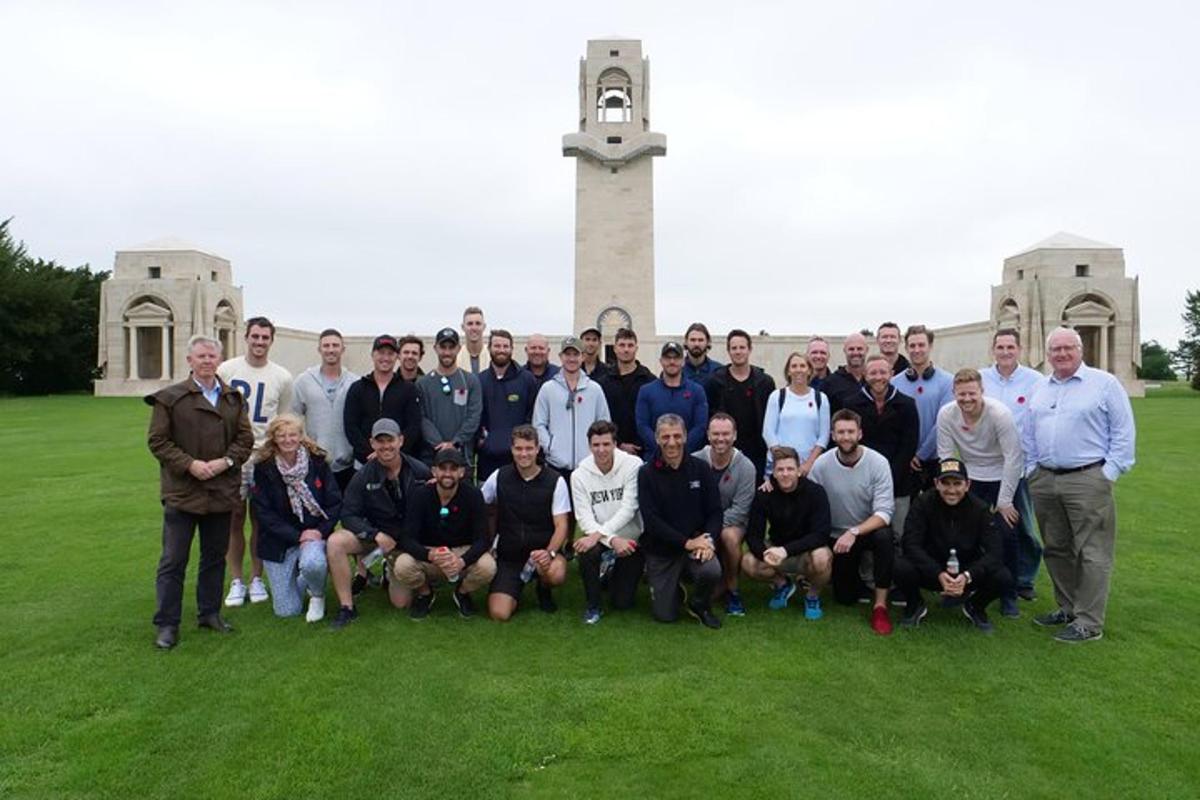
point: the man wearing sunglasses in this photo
(451, 402)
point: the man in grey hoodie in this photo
(565, 408)
(736, 478)
(319, 396)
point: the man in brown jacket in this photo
(200, 434)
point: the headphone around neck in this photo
(912, 375)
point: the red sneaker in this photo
(880, 622)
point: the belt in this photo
(1069, 470)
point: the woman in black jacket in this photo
(297, 502)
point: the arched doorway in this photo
(149, 339)
(1093, 317)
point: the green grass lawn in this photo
(769, 706)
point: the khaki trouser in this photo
(1078, 520)
(414, 574)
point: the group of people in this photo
(883, 479)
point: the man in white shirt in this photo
(267, 389)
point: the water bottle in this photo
(528, 571)
(452, 578)
(607, 559)
(952, 564)
(373, 557)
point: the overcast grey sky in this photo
(376, 166)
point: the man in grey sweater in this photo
(319, 397)
(858, 483)
(736, 479)
(451, 403)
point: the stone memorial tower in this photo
(614, 189)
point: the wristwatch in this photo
(853, 531)
(229, 462)
(553, 553)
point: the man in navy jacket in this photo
(672, 393)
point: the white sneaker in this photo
(316, 609)
(237, 593)
(258, 591)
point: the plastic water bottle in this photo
(952, 564)
(529, 570)
(373, 557)
(607, 559)
(452, 578)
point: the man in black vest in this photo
(532, 504)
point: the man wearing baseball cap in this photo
(672, 393)
(381, 394)
(952, 546)
(451, 402)
(565, 408)
(445, 539)
(373, 511)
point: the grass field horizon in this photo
(544, 706)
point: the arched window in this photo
(149, 338)
(614, 97)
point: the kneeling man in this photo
(532, 505)
(943, 520)
(445, 538)
(681, 517)
(796, 511)
(604, 487)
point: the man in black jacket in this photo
(532, 505)
(742, 391)
(952, 546)
(372, 510)
(846, 380)
(381, 394)
(621, 391)
(796, 511)
(891, 428)
(444, 538)
(681, 513)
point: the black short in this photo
(508, 579)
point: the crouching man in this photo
(445, 539)
(796, 513)
(604, 486)
(947, 520)
(532, 504)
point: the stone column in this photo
(131, 365)
(166, 352)
(1105, 330)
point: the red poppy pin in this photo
(453, 509)
(578, 398)
(810, 404)
(727, 477)
(920, 390)
(317, 483)
(749, 393)
(687, 395)
(1021, 399)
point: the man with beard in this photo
(508, 394)
(319, 399)
(621, 391)
(888, 338)
(412, 350)
(698, 367)
(742, 391)
(846, 381)
(890, 428)
(858, 483)
(736, 481)
(451, 403)
(672, 393)
(445, 539)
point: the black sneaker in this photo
(546, 599)
(1027, 593)
(421, 603)
(703, 613)
(913, 616)
(465, 603)
(978, 617)
(1054, 618)
(1076, 633)
(345, 615)
(358, 584)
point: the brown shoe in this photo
(215, 622)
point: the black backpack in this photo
(783, 398)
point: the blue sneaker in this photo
(781, 596)
(591, 616)
(734, 607)
(812, 608)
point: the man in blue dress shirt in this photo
(930, 388)
(1079, 439)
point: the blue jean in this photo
(303, 569)
(1029, 546)
(989, 492)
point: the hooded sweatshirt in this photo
(608, 502)
(323, 413)
(562, 417)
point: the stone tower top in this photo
(614, 105)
